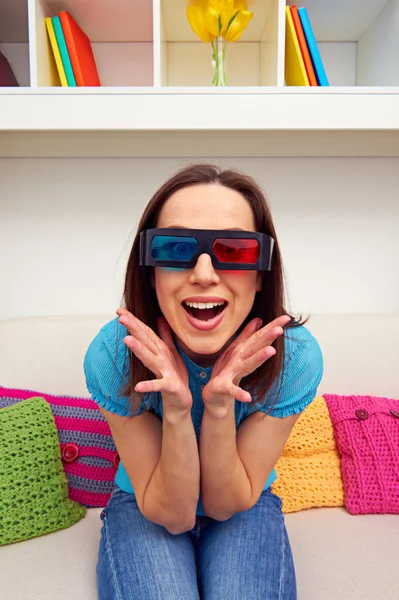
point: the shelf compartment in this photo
(256, 59)
(14, 43)
(358, 41)
(121, 34)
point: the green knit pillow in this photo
(33, 485)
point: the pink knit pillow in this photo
(88, 450)
(366, 431)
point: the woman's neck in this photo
(202, 360)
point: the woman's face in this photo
(201, 335)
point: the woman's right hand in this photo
(159, 354)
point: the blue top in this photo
(106, 367)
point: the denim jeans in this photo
(247, 557)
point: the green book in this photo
(66, 61)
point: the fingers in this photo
(264, 336)
(246, 333)
(143, 353)
(240, 394)
(146, 387)
(255, 326)
(139, 330)
(164, 385)
(264, 339)
(152, 351)
(257, 359)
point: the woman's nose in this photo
(204, 272)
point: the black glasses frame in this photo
(205, 239)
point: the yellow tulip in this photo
(227, 15)
(212, 21)
(196, 16)
(238, 25)
(218, 5)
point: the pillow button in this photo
(116, 460)
(362, 414)
(70, 453)
(395, 413)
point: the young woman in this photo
(201, 378)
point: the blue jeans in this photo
(247, 557)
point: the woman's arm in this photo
(229, 482)
(169, 485)
(161, 460)
(171, 496)
(236, 463)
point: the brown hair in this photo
(140, 297)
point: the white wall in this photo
(66, 227)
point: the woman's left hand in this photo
(243, 356)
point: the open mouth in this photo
(204, 311)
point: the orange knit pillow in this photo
(309, 473)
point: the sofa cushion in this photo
(88, 450)
(309, 473)
(33, 486)
(367, 432)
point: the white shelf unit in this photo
(150, 43)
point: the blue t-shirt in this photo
(106, 367)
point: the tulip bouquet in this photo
(218, 22)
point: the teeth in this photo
(204, 304)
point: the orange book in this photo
(80, 52)
(303, 46)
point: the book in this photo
(56, 52)
(7, 77)
(303, 46)
(66, 61)
(80, 52)
(313, 49)
(294, 68)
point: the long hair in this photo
(140, 298)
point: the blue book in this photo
(313, 49)
(66, 61)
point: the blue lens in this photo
(170, 247)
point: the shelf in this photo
(190, 109)
(150, 42)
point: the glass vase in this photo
(219, 61)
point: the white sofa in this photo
(338, 556)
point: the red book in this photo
(303, 46)
(80, 52)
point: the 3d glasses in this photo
(229, 250)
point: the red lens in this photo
(236, 250)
